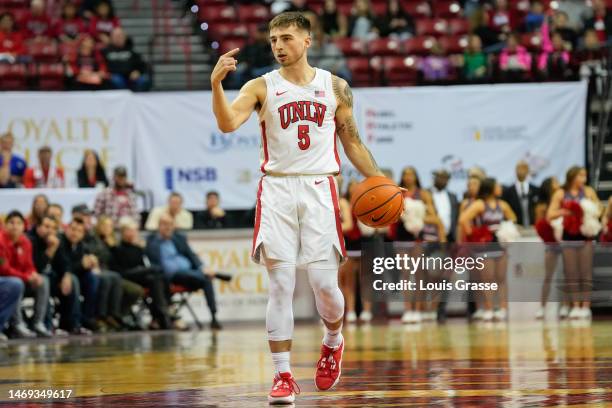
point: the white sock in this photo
(281, 362)
(333, 338)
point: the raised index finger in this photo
(231, 53)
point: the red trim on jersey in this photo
(257, 216)
(335, 145)
(265, 146)
(332, 188)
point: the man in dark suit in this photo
(522, 195)
(445, 202)
(170, 250)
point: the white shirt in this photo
(525, 186)
(182, 221)
(443, 207)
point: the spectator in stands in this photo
(130, 261)
(70, 26)
(119, 200)
(103, 22)
(522, 196)
(83, 213)
(56, 211)
(50, 260)
(12, 163)
(126, 67)
(88, 70)
(601, 21)
(180, 264)
(11, 292)
(37, 24)
(45, 175)
(5, 178)
(183, 219)
(88, 8)
(535, 17)
(324, 53)
(92, 173)
(362, 23)
(590, 52)
(214, 216)
(396, 22)
(18, 263)
(474, 60)
(40, 204)
(514, 60)
(445, 203)
(256, 58)
(500, 19)
(333, 23)
(85, 267)
(555, 64)
(11, 40)
(300, 6)
(480, 26)
(435, 67)
(561, 25)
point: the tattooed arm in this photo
(346, 129)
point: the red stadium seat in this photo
(447, 9)
(532, 41)
(417, 9)
(220, 31)
(345, 9)
(418, 45)
(51, 77)
(217, 14)
(435, 26)
(68, 50)
(360, 69)
(350, 46)
(454, 44)
(458, 26)
(384, 47)
(253, 13)
(379, 9)
(400, 71)
(13, 77)
(14, 4)
(230, 44)
(46, 51)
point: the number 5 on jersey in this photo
(303, 137)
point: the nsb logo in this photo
(221, 142)
(188, 176)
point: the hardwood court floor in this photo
(453, 365)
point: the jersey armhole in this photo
(264, 104)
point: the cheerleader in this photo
(606, 221)
(489, 211)
(551, 245)
(349, 271)
(409, 235)
(579, 206)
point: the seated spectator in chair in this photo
(130, 260)
(324, 53)
(87, 8)
(56, 211)
(14, 164)
(591, 51)
(45, 174)
(11, 293)
(17, 250)
(183, 219)
(87, 70)
(514, 60)
(40, 204)
(126, 67)
(601, 21)
(119, 200)
(214, 216)
(501, 19)
(562, 26)
(85, 267)
(555, 64)
(50, 260)
(535, 17)
(180, 264)
(92, 173)
(70, 26)
(256, 58)
(396, 23)
(83, 213)
(362, 22)
(103, 22)
(474, 61)
(333, 23)
(37, 24)
(11, 40)
(436, 67)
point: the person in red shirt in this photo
(16, 252)
(11, 41)
(500, 18)
(45, 175)
(601, 21)
(37, 24)
(88, 69)
(70, 26)
(103, 23)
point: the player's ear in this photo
(308, 40)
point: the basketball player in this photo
(301, 109)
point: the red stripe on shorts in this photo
(336, 146)
(257, 216)
(265, 146)
(332, 188)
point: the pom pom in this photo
(480, 234)
(507, 232)
(545, 231)
(557, 226)
(572, 221)
(590, 226)
(365, 230)
(413, 217)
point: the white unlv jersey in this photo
(298, 127)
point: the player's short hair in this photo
(288, 19)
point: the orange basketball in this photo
(377, 201)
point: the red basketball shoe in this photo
(283, 390)
(329, 367)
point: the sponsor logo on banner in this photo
(454, 165)
(218, 142)
(497, 133)
(187, 177)
(382, 126)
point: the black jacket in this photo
(123, 60)
(127, 256)
(74, 255)
(511, 196)
(54, 267)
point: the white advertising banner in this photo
(70, 122)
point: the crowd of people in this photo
(497, 41)
(88, 40)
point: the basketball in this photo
(377, 201)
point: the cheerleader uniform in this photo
(403, 237)
(492, 218)
(568, 238)
(352, 240)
